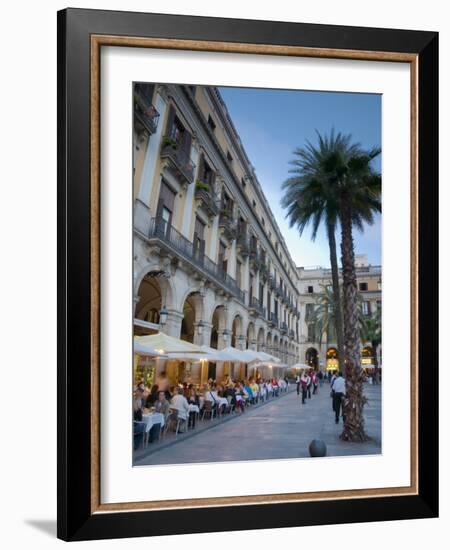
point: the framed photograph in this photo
(247, 278)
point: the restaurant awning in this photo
(145, 349)
(168, 344)
(267, 357)
(238, 356)
(300, 366)
(218, 355)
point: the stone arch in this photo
(218, 324)
(192, 314)
(251, 338)
(312, 357)
(260, 339)
(269, 342)
(237, 327)
(165, 281)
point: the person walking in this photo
(315, 382)
(309, 385)
(338, 396)
(297, 381)
(304, 385)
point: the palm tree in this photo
(371, 332)
(310, 198)
(324, 315)
(359, 192)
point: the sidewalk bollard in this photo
(317, 448)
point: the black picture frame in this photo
(75, 518)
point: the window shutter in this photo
(170, 120)
(201, 167)
(187, 140)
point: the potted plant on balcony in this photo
(169, 142)
(201, 185)
(225, 213)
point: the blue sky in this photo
(272, 123)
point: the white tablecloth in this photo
(219, 401)
(151, 419)
(193, 408)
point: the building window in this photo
(223, 264)
(211, 123)
(309, 312)
(362, 287)
(379, 285)
(366, 308)
(263, 221)
(205, 173)
(311, 333)
(229, 157)
(243, 183)
(238, 273)
(254, 203)
(310, 290)
(199, 238)
(227, 203)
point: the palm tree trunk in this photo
(331, 228)
(355, 399)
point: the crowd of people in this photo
(190, 402)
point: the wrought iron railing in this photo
(273, 319)
(145, 112)
(257, 306)
(175, 241)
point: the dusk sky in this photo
(272, 123)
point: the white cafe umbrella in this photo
(238, 356)
(300, 366)
(253, 355)
(143, 349)
(218, 355)
(172, 348)
(267, 357)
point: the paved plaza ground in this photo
(282, 428)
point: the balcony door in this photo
(199, 239)
(166, 204)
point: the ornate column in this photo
(173, 323)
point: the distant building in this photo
(312, 282)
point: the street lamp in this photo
(163, 314)
(200, 327)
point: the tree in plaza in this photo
(358, 187)
(371, 332)
(310, 198)
(324, 315)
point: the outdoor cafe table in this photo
(151, 419)
(193, 408)
(219, 401)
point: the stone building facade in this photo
(207, 248)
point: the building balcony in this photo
(291, 334)
(243, 244)
(271, 282)
(273, 320)
(179, 162)
(256, 307)
(146, 116)
(228, 225)
(176, 243)
(204, 195)
(283, 328)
